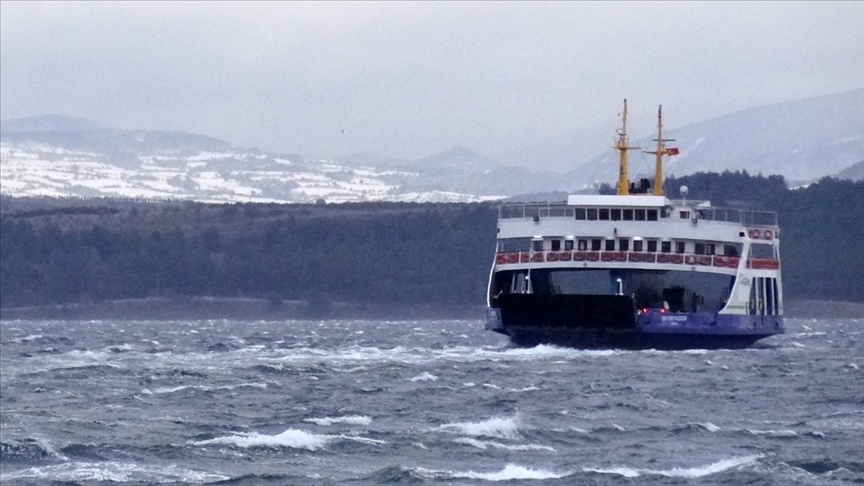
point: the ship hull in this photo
(612, 322)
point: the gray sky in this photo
(411, 79)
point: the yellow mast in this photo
(621, 146)
(659, 153)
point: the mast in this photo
(659, 153)
(621, 146)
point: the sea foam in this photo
(296, 439)
(510, 471)
(503, 427)
(690, 473)
(351, 420)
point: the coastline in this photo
(197, 308)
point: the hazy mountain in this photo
(47, 124)
(801, 140)
(54, 155)
(853, 172)
(76, 134)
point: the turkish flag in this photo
(672, 151)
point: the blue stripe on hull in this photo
(653, 330)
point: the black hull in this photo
(611, 322)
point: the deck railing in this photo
(514, 257)
(744, 217)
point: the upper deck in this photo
(647, 216)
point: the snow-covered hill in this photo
(61, 156)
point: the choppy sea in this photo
(419, 402)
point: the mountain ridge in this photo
(802, 140)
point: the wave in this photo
(351, 420)
(114, 472)
(690, 473)
(510, 472)
(27, 450)
(503, 427)
(178, 388)
(773, 433)
(514, 447)
(295, 439)
(291, 438)
(425, 376)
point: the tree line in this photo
(382, 253)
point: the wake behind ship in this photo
(636, 270)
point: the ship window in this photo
(604, 214)
(556, 245)
(730, 251)
(580, 213)
(679, 247)
(568, 244)
(685, 214)
(652, 215)
(710, 249)
(592, 214)
(652, 246)
(583, 245)
(627, 214)
(595, 245)
(700, 248)
(616, 215)
(610, 245)
(623, 244)
(666, 246)
(640, 215)
(637, 245)
(537, 245)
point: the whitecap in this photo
(774, 433)
(296, 439)
(425, 376)
(116, 472)
(710, 427)
(527, 388)
(171, 389)
(511, 447)
(351, 420)
(503, 427)
(690, 473)
(510, 471)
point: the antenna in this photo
(621, 146)
(659, 153)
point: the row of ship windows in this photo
(607, 214)
(624, 244)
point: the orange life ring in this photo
(768, 234)
(754, 233)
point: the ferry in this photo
(636, 270)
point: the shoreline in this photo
(198, 308)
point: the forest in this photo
(64, 251)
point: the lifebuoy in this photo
(768, 234)
(754, 233)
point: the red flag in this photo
(672, 151)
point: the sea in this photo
(357, 402)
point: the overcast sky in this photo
(411, 79)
